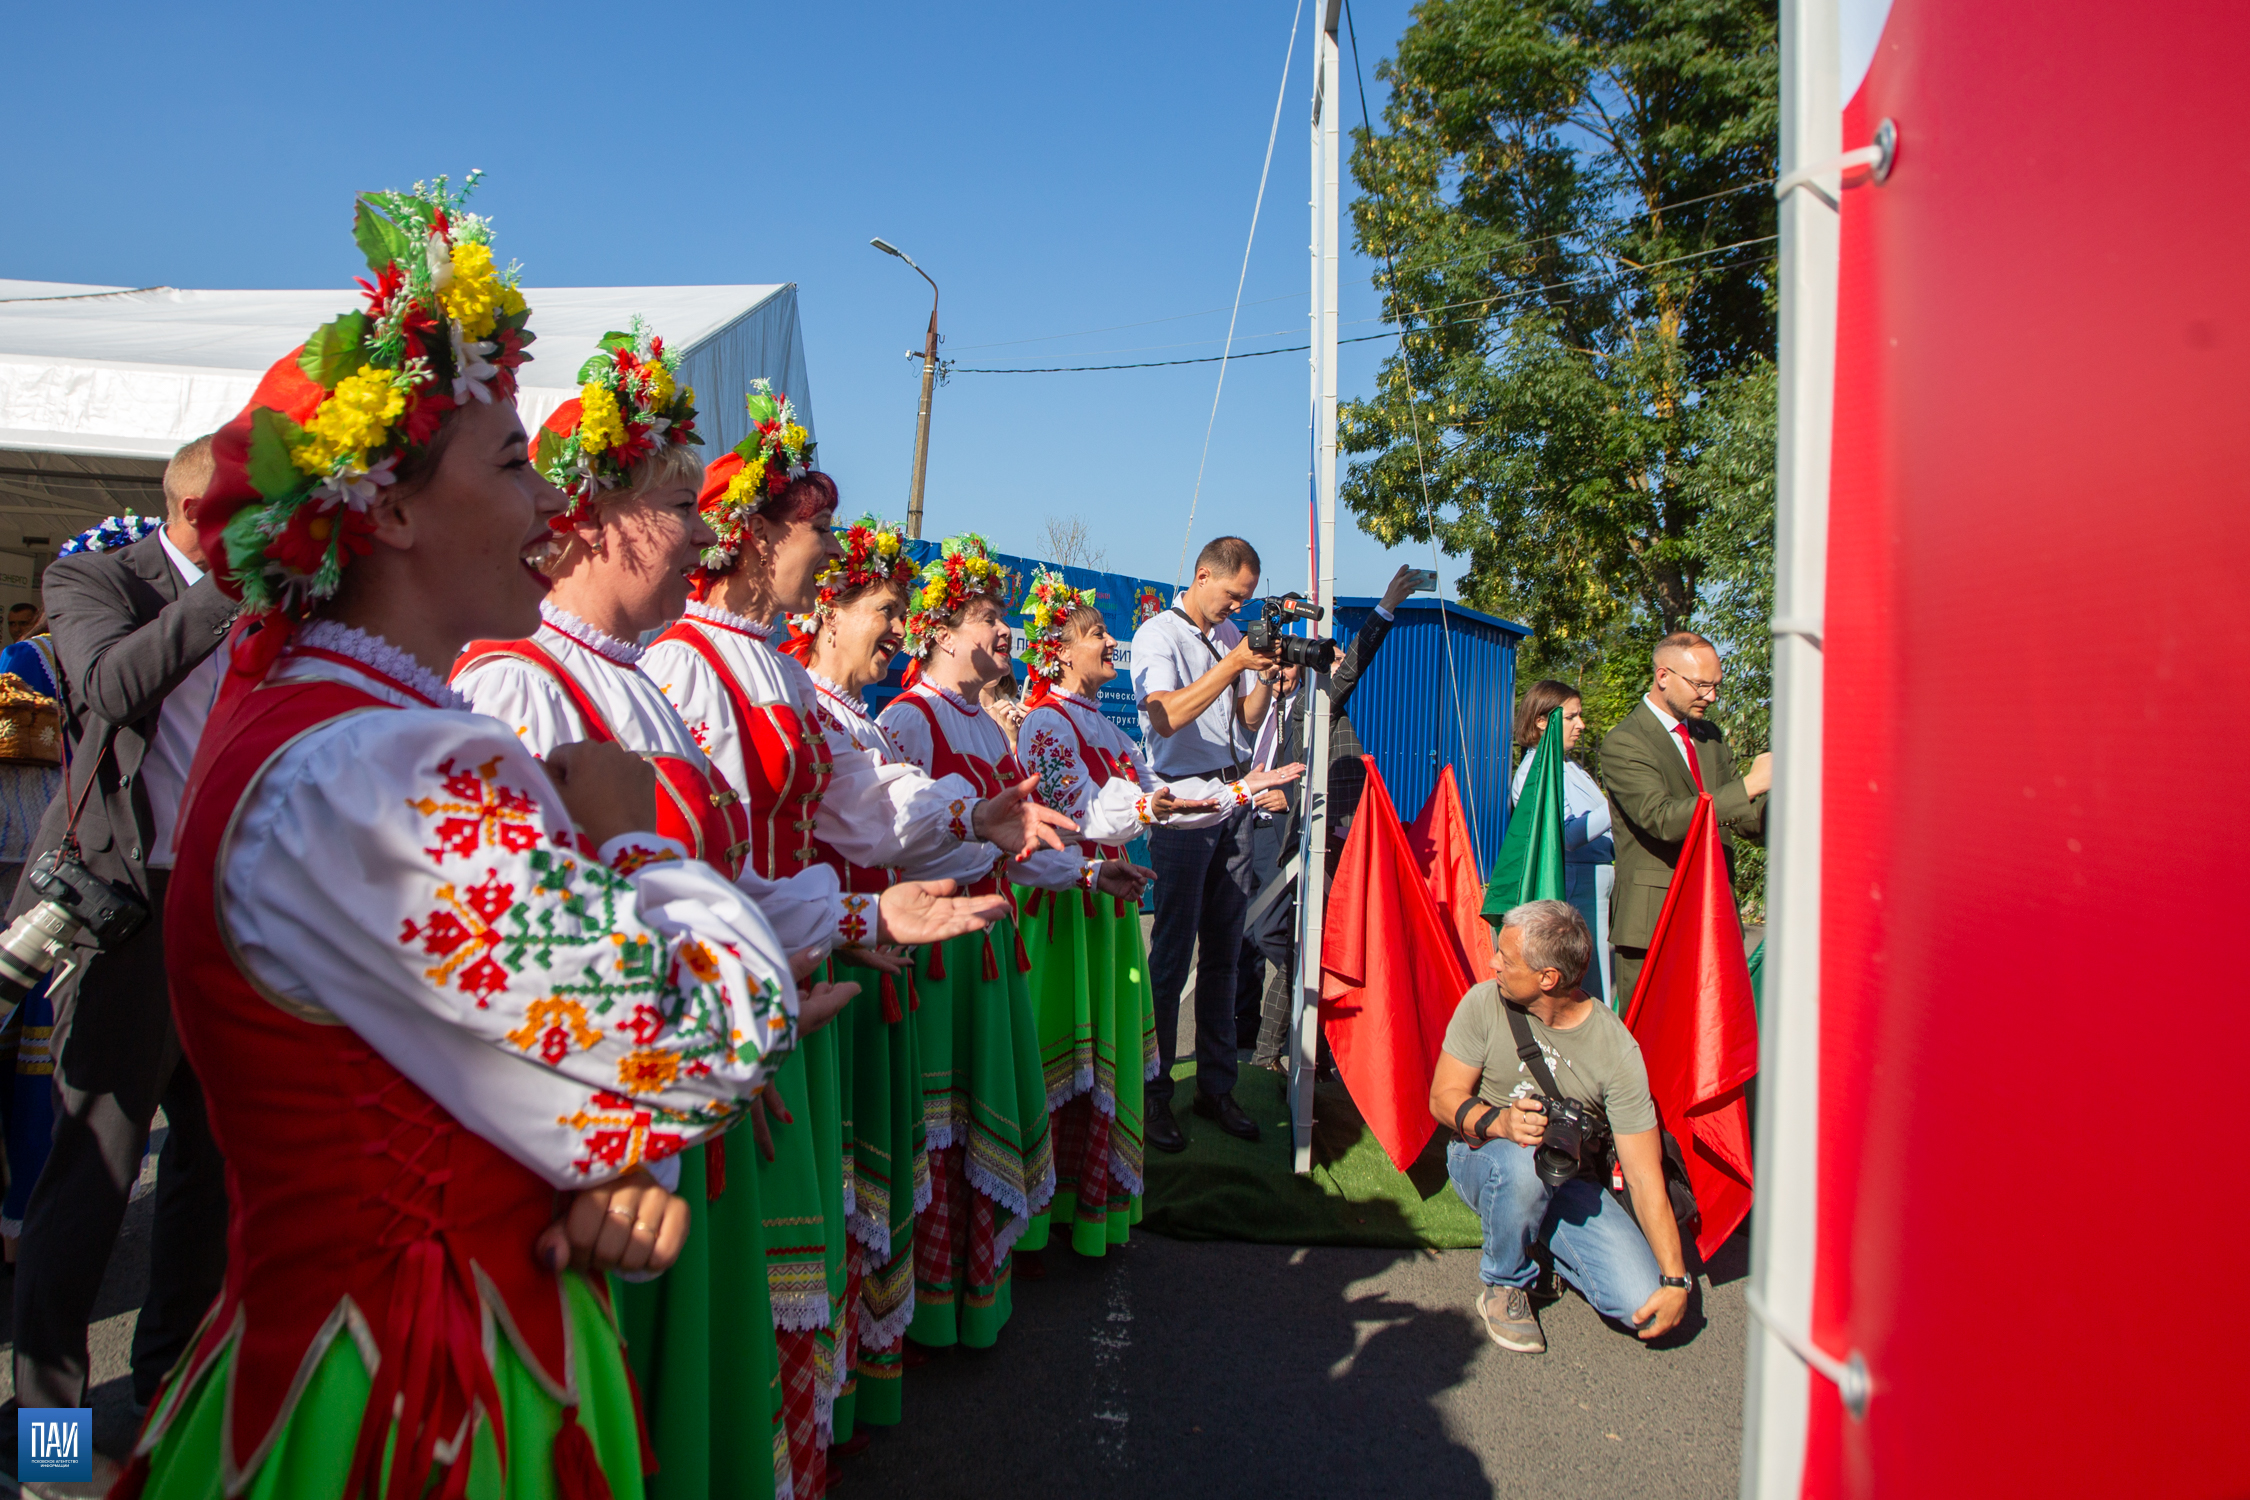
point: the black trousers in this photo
(1269, 945)
(117, 1057)
(1203, 885)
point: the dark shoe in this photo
(1159, 1129)
(1232, 1118)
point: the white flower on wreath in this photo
(473, 369)
(355, 487)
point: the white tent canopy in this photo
(100, 385)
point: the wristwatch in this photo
(1684, 1283)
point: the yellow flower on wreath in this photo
(600, 427)
(356, 416)
(660, 383)
(476, 297)
(887, 543)
(748, 487)
(793, 438)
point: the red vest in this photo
(361, 1209)
(990, 780)
(784, 760)
(694, 804)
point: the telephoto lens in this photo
(28, 950)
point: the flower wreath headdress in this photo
(630, 403)
(329, 424)
(737, 484)
(963, 571)
(1047, 607)
(874, 553)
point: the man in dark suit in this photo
(1655, 763)
(1269, 946)
(136, 631)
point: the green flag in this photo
(1530, 867)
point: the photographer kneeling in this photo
(1533, 1153)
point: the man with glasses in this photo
(1655, 763)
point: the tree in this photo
(1068, 542)
(1571, 198)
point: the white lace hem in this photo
(728, 618)
(375, 652)
(601, 642)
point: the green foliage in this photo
(270, 470)
(335, 350)
(379, 238)
(1572, 196)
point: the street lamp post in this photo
(929, 379)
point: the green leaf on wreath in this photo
(336, 350)
(378, 238)
(272, 436)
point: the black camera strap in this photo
(1527, 1048)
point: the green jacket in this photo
(1652, 799)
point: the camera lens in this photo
(29, 948)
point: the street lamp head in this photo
(887, 247)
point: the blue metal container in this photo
(1442, 691)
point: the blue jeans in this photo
(1597, 1246)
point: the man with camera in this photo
(137, 632)
(1546, 1094)
(1202, 693)
(1273, 936)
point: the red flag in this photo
(1390, 977)
(1439, 837)
(1697, 1024)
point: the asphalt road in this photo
(1221, 1370)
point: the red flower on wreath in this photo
(312, 532)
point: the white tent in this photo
(99, 385)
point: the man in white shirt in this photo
(1202, 693)
(136, 632)
(1656, 762)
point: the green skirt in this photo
(985, 1116)
(311, 1458)
(701, 1343)
(1097, 1046)
(888, 1181)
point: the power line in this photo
(1212, 359)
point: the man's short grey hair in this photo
(1554, 937)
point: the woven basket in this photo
(30, 725)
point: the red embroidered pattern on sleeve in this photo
(634, 858)
(478, 811)
(960, 820)
(1088, 873)
(856, 928)
(1140, 808)
(1241, 794)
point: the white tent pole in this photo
(1312, 846)
(1778, 1386)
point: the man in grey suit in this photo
(1655, 763)
(137, 631)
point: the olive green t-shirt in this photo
(1595, 1062)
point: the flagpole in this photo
(1312, 848)
(1777, 1385)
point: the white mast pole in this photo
(1312, 848)
(1777, 1386)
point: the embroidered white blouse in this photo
(878, 808)
(413, 875)
(969, 731)
(807, 910)
(1047, 749)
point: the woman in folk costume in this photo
(622, 451)
(750, 708)
(1089, 968)
(847, 645)
(450, 1003)
(984, 1097)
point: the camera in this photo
(1575, 1143)
(74, 900)
(1266, 638)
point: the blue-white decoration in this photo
(117, 531)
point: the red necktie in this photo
(1693, 769)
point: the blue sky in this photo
(1074, 170)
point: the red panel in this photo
(2035, 1213)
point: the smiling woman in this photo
(422, 1135)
